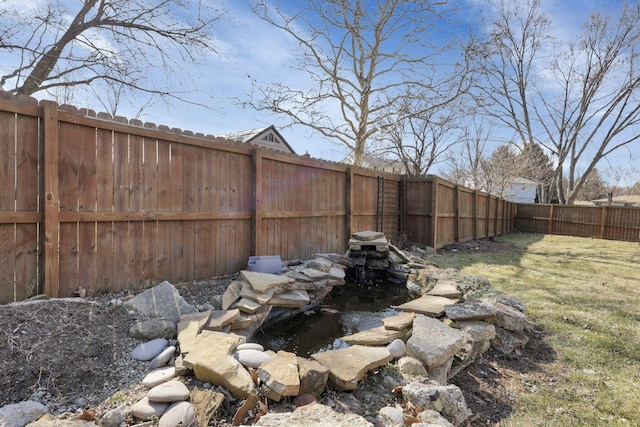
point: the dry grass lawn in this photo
(585, 296)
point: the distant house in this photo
(520, 190)
(268, 137)
(628, 201)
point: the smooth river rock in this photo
(150, 349)
(171, 391)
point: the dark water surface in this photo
(346, 310)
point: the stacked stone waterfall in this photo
(374, 257)
(431, 338)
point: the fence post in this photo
(256, 220)
(474, 214)
(551, 220)
(603, 221)
(456, 223)
(350, 202)
(434, 213)
(51, 266)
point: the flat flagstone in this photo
(347, 366)
(446, 288)
(298, 276)
(280, 374)
(211, 342)
(189, 327)
(427, 304)
(221, 318)
(399, 322)
(294, 299)
(246, 305)
(314, 274)
(262, 282)
(224, 370)
(367, 235)
(374, 336)
(259, 297)
(232, 294)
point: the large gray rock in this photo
(447, 400)
(469, 311)
(507, 317)
(433, 342)
(411, 366)
(19, 414)
(314, 415)
(162, 301)
(507, 341)
(153, 328)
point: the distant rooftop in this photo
(266, 136)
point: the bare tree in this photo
(361, 58)
(65, 46)
(466, 163)
(421, 140)
(587, 106)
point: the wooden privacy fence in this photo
(440, 212)
(92, 202)
(600, 222)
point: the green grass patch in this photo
(585, 296)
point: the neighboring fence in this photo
(90, 202)
(601, 222)
(442, 213)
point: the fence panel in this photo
(604, 222)
(446, 213)
(417, 210)
(466, 215)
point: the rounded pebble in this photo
(397, 348)
(250, 346)
(171, 391)
(252, 358)
(178, 414)
(163, 358)
(150, 349)
(144, 408)
(159, 376)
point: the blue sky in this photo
(250, 52)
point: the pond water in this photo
(348, 309)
